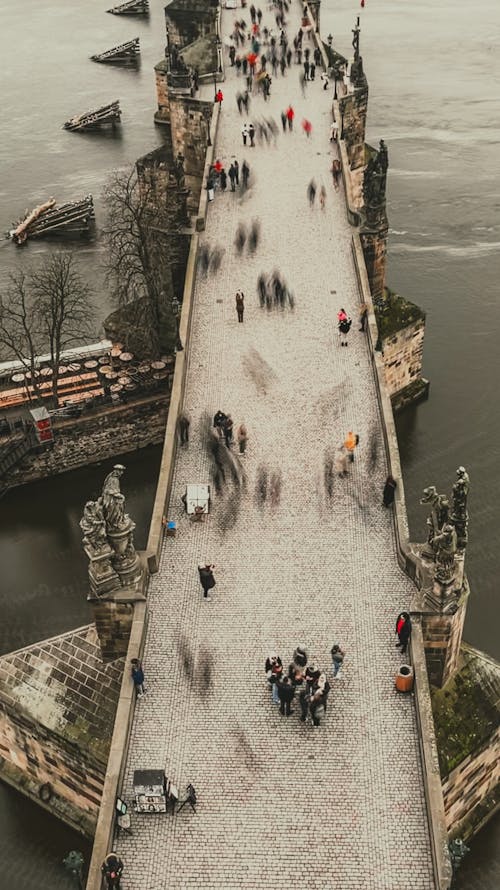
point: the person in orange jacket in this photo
(351, 440)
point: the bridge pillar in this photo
(354, 108)
(442, 629)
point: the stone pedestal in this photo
(125, 560)
(102, 577)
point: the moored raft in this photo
(132, 7)
(71, 218)
(126, 54)
(106, 114)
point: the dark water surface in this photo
(433, 67)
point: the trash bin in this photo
(404, 678)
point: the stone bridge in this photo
(281, 803)
(301, 555)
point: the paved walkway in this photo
(282, 804)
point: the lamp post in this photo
(176, 311)
(218, 43)
(329, 40)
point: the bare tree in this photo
(45, 310)
(137, 265)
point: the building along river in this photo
(432, 67)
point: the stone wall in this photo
(353, 109)
(95, 437)
(186, 20)
(442, 635)
(57, 709)
(469, 785)
(190, 122)
(162, 115)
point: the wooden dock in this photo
(132, 7)
(72, 218)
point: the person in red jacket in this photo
(290, 114)
(219, 97)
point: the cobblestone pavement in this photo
(281, 804)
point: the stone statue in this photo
(375, 177)
(178, 170)
(383, 162)
(355, 40)
(93, 525)
(459, 516)
(440, 509)
(113, 501)
(445, 544)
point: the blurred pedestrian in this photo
(311, 192)
(245, 173)
(228, 430)
(363, 312)
(223, 180)
(290, 114)
(219, 96)
(240, 238)
(232, 177)
(251, 133)
(350, 443)
(242, 438)
(244, 133)
(307, 127)
(389, 491)
(322, 197)
(183, 428)
(324, 79)
(340, 462)
(283, 120)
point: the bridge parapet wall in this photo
(125, 712)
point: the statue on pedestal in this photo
(460, 516)
(113, 501)
(108, 538)
(440, 509)
(445, 544)
(355, 40)
(93, 526)
(375, 177)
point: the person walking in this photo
(237, 171)
(245, 174)
(251, 133)
(336, 171)
(389, 491)
(337, 659)
(240, 305)
(311, 192)
(307, 127)
(286, 692)
(138, 677)
(322, 197)
(244, 133)
(363, 313)
(344, 328)
(350, 443)
(183, 428)
(219, 97)
(306, 70)
(232, 177)
(324, 79)
(223, 180)
(283, 120)
(312, 71)
(403, 630)
(207, 579)
(242, 438)
(290, 114)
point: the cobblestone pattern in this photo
(281, 804)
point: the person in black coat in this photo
(389, 489)
(286, 692)
(207, 579)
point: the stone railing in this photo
(410, 564)
(103, 840)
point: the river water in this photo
(433, 67)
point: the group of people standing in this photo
(308, 682)
(223, 424)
